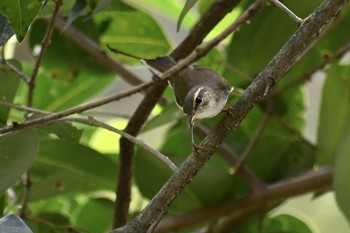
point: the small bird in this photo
(199, 92)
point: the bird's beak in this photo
(191, 118)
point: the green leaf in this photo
(286, 224)
(17, 152)
(64, 168)
(21, 14)
(78, 7)
(188, 5)
(95, 216)
(76, 78)
(334, 113)
(5, 30)
(215, 175)
(342, 171)
(131, 31)
(50, 223)
(9, 85)
(64, 130)
(169, 114)
(250, 55)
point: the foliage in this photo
(73, 181)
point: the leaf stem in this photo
(44, 44)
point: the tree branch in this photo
(290, 13)
(93, 122)
(312, 181)
(15, 70)
(73, 110)
(44, 44)
(289, 54)
(338, 55)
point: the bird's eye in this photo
(198, 100)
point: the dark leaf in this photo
(20, 14)
(5, 30)
(17, 152)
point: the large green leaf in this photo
(64, 168)
(9, 84)
(286, 224)
(334, 113)
(131, 31)
(21, 14)
(341, 173)
(17, 152)
(76, 78)
(95, 216)
(255, 44)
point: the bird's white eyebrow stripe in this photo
(196, 95)
(197, 92)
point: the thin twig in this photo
(74, 110)
(93, 122)
(44, 44)
(339, 54)
(23, 108)
(290, 13)
(15, 70)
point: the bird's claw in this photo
(228, 111)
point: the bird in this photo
(199, 91)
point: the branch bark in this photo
(214, 14)
(319, 180)
(289, 54)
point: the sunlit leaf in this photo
(124, 26)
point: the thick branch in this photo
(295, 47)
(313, 181)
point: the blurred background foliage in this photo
(74, 168)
